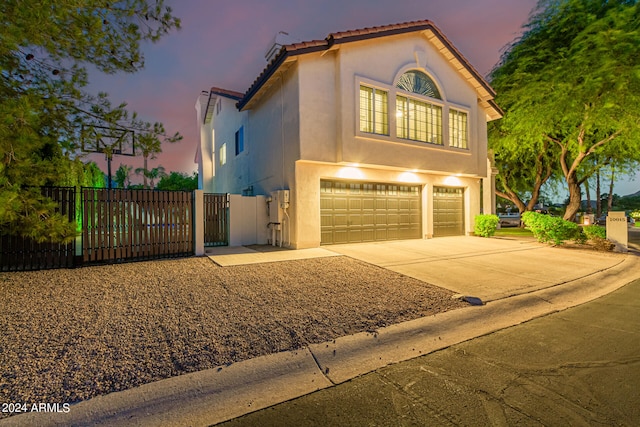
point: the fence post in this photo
(198, 222)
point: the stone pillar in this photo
(617, 231)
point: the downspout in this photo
(283, 161)
(282, 125)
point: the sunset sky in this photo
(222, 43)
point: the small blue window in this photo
(240, 140)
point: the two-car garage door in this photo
(352, 212)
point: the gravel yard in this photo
(69, 335)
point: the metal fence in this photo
(216, 219)
(21, 253)
(119, 225)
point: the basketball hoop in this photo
(110, 142)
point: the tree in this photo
(178, 181)
(148, 145)
(572, 81)
(45, 48)
(123, 176)
(523, 171)
(152, 175)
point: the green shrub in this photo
(594, 231)
(554, 229)
(597, 236)
(485, 225)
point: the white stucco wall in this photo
(205, 148)
(274, 140)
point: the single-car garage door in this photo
(352, 212)
(448, 211)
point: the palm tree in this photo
(156, 173)
(149, 145)
(151, 175)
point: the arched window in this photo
(418, 82)
(417, 119)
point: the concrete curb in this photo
(216, 395)
(198, 399)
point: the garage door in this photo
(352, 212)
(448, 211)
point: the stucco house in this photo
(374, 134)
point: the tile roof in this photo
(226, 93)
(236, 96)
(485, 91)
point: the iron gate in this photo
(216, 219)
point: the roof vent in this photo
(281, 39)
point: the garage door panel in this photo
(381, 234)
(327, 236)
(392, 233)
(326, 204)
(368, 219)
(368, 203)
(355, 204)
(340, 203)
(355, 220)
(355, 235)
(340, 220)
(368, 235)
(340, 236)
(326, 220)
(381, 219)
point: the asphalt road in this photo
(576, 367)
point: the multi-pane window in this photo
(374, 116)
(458, 135)
(418, 120)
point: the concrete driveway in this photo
(489, 269)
